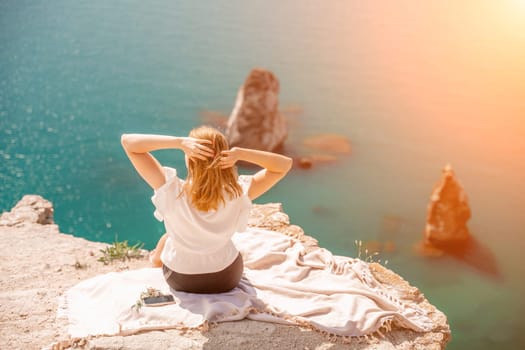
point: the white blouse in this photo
(198, 241)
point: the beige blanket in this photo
(281, 283)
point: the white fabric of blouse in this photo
(199, 242)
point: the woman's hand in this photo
(229, 158)
(196, 148)
(275, 167)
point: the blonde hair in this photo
(207, 184)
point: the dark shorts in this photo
(206, 283)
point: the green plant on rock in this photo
(121, 251)
(368, 257)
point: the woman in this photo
(202, 213)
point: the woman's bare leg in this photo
(154, 255)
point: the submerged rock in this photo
(255, 121)
(322, 149)
(376, 246)
(331, 143)
(304, 162)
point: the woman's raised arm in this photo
(138, 146)
(276, 166)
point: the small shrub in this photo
(368, 257)
(121, 251)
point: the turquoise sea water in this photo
(414, 86)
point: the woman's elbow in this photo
(127, 141)
(124, 140)
(288, 164)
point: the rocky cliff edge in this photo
(38, 264)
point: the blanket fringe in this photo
(83, 342)
(371, 338)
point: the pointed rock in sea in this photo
(256, 121)
(448, 212)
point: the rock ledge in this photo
(39, 264)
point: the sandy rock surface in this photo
(38, 264)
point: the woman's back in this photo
(202, 213)
(199, 241)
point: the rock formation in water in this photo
(446, 231)
(39, 264)
(448, 212)
(255, 121)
